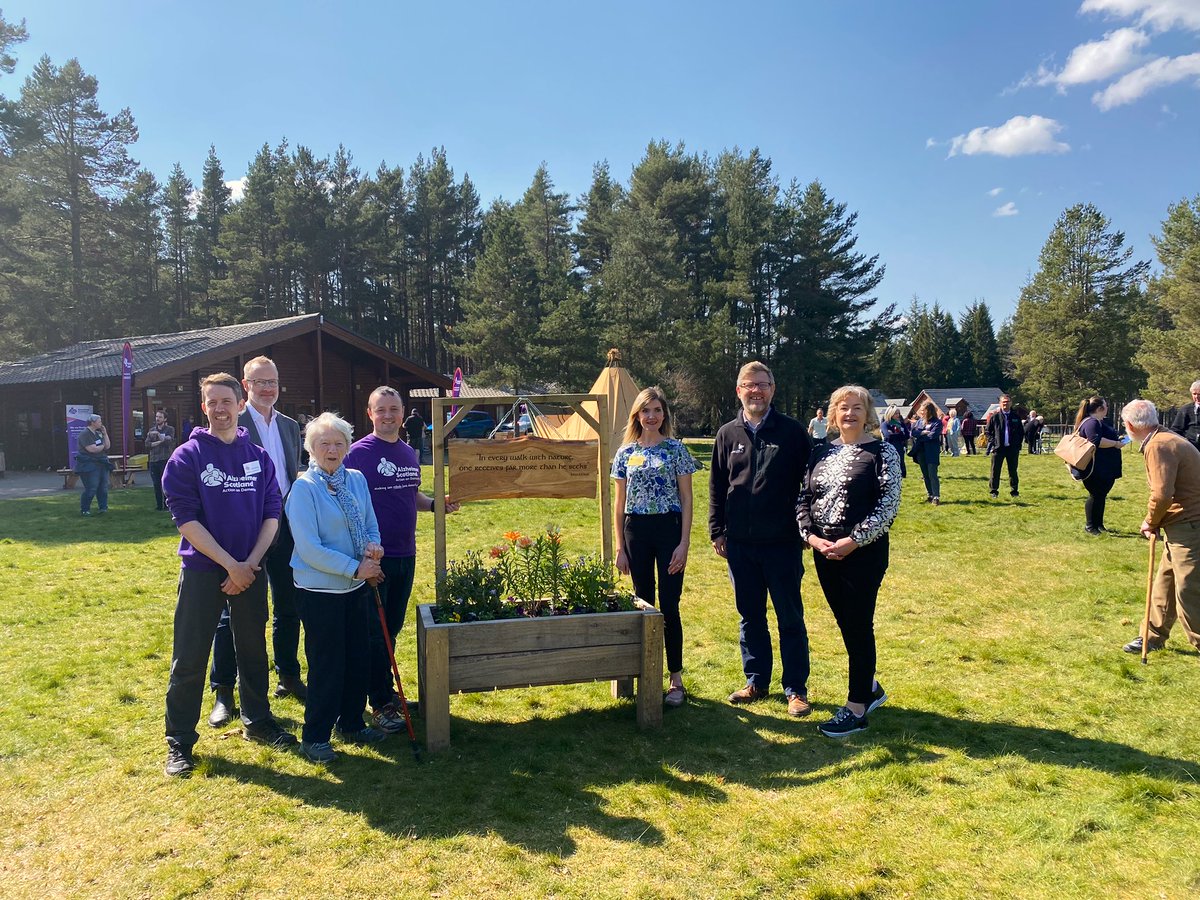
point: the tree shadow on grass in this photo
(535, 783)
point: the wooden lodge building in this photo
(322, 366)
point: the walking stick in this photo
(387, 640)
(1149, 592)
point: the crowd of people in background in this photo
(333, 542)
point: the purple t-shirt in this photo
(228, 488)
(393, 473)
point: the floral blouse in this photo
(850, 490)
(650, 475)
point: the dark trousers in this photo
(900, 447)
(851, 587)
(394, 591)
(285, 623)
(1012, 455)
(649, 542)
(338, 652)
(200, 603)
(1093, 506)
(156, 473)
(95, 484)
(929, 459)
(969, 442)
(756, 570)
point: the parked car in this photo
(524, 426)
(475, 424)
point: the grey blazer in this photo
(289, 435)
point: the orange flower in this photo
(498, 551)
(524, 543)
(512, 535)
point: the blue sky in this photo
(958, 131)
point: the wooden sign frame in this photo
(575, 402)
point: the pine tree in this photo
(1074, 315)
(498, 331)
(177, 209)
(75, 159)
(1170, 350)
(982, 364)
(211, 210)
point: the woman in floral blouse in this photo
(653, 512)
(850, 498)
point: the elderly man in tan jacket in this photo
(1173, 471)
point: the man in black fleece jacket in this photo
(757, 470)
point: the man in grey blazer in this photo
(280, 437)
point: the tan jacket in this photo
(1173, 471)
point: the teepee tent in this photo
(618, 385)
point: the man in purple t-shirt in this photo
(225, 501)
(393, 473)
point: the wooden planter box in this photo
(517, 653)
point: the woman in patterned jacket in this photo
(850, 498)
(653, 512)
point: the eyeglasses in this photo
(264, 382)
(751, 385)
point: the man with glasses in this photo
(279, 436)
(757, 470)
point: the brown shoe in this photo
(798, 706)
(748, 694)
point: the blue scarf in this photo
(345, 499)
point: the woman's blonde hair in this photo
(633, 429)
(859, 393)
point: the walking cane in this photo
(1149, 592)
(387, 640)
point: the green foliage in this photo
(1170, 342)
(1073, 319)
(532, 576)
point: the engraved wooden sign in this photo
(526, 467)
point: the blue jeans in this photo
(394, 591)
(95, 484)
(285, 623)
(756, 570)
(336, 646)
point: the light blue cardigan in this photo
(324, 556)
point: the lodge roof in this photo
(978, 399)
(163, 355)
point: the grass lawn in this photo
(1021, 754)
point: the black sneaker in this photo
(1015, 494)
(995, 495)
(179, 761)
(843, 724)
(878, 698)
(269, 733)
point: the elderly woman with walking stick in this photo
(337, 552)
(850, 498)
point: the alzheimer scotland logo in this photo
(229, 484)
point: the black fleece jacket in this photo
(756, 478)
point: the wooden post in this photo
(606, 451)
(649, 687)
(320, 369)
(435, 692)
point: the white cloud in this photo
(930, 142)
(1019, 136)
(237, 188)
(1008, 209)
(996, 192)
(1161, 15)
(1113, 54)
(1155, 74)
